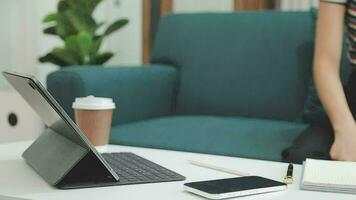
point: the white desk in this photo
(18, 179)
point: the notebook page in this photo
(334, 173)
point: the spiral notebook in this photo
(329, 176)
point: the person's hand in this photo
(344, 146)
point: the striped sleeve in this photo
(335, 1)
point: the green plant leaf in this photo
(81, 22)
(92, 4)
(81, 45)
(87, 6)
(116, 26)
(102, 58)
(65, 56)
(78, 14)
(50, 18)
(100, 24)
(50, 30)
(75, 25)
(72, 19)
(61, 57)
(64, 28)
(62, 6)
(97, 41)
(52, 59)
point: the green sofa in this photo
(231, 84)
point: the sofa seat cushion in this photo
(241, 137)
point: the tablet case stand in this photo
(65, 164)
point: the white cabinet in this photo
(17, 119)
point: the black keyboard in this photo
(133, 169)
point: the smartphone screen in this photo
(234, 184)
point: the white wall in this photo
(127, 42)
(6, 47)
(13, 46)
(203, 6)
(294, 5)
(186, 6)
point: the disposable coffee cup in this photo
(93, 115)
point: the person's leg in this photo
(314, 142)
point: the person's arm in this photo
(329, 36)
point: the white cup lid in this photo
(93, 103)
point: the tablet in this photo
(234, 187)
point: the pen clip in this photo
(288, 180)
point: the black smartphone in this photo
(234, 187)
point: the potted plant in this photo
(75, 25)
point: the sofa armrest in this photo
(139, 92)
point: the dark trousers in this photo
(316, 140)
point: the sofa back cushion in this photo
(253, 64)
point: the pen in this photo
(218, 168)
(289, 177)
